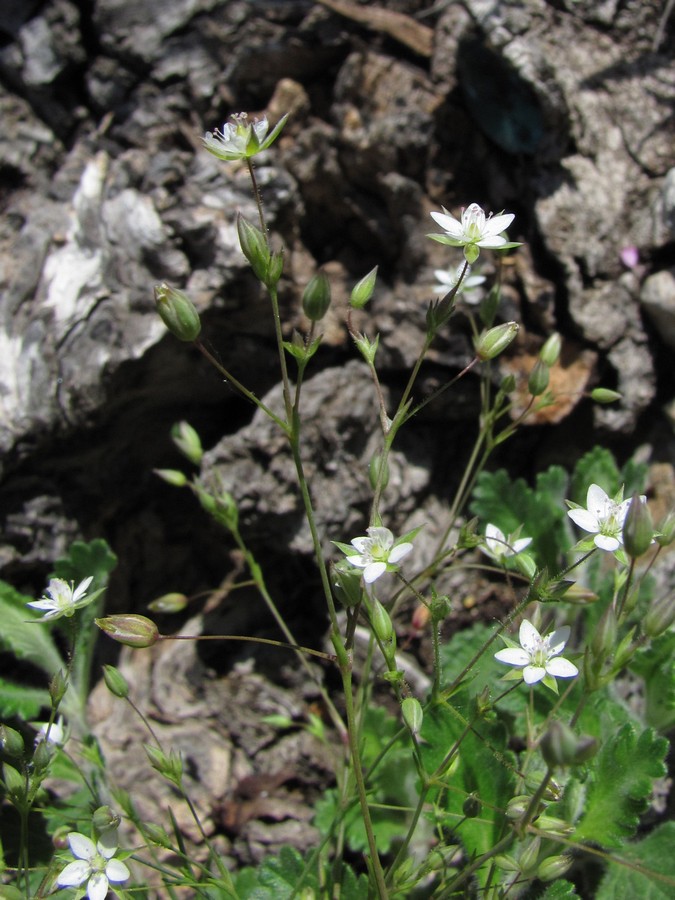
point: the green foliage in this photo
(637, 875)
(22, 701)
(95, 558)
(656, 665)
(599, 467)
(391, 786)
(540, 510)
(621, 784)
(23, 635)
(287, 876)
(486, 767)
(559, 890)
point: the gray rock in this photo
(658, 299)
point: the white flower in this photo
(473, 230)
(63, 598)
(500, 547)
(57, 733)
(446, 281)
(241, 137)
(538, 656)
(376, 552)
(94, 864)
(603, 517)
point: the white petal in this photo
(82, 587)
(513, 656)
(561, 668)
(359, 561)
(399, 551)
(41, 604)
(533, 674)
(596, 498)
(529, 637)
(361, 543)
(97, 886)
(81, 845)
(74, 874)
(381, 535)
(107, 843)
(373, 571)
(558, 639)
(584, 519)
(491, 242)
(117, 871)
(605, 542)
(448, 223)
(519, 545)
(497, 224)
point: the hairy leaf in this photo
(22, 701)
(23, 634)
(656, 664)
(647, 870)
(622, 778)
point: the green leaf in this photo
(622, 778)
(23, 634)
(656, 665)
(95, 559)
(595, 467)
(654, 857)
(486, 767)
(559, 890)
(22, 701)
(276, 878)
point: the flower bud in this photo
(130, 629)
(538, 380)
(517, 806)
(363, 290)
(440, 608)
(379, 619)
(169, 603)
(11, 741)
(508, 384)
(169, 766)
(526, 565)
(411, 710)
(374, 467)
(58, 687)
(275, 268)
(471, 806)
(115, 682)
(554, 867)
(15, 784)
(580, 595)
(178, 313)
(666, 533)
(172, 476)
(550, 352)
(660, 616)
(254, 247)
(603, 642)
(367, 348)
(493, 342)
(554, 826)
(347, 581)
(604, 395)
(529, 855)
(489, 305)
(316, 297)
(638, 528)
(104, 818)
(156, 835)
(44, 751)
(187, 441)
(560, 746)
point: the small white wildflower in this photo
(447, 279)
(603, 517)
(473, 231)
(539, 656)
(500, 547)
(377, 552)
(63, 598)
(55, 735)
(94, 864)
(242, 137)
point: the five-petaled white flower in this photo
(242, 137)
(447, 279)
(94, 864)
(603, 517)
(473, 231)
(377, 552)
(57, 734)
(63, 598)
(500, 547)
(539, 656)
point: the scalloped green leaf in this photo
(22, 701)
(622, 778)
(23, 634)
(559, 890)
(656, 665)
(84, 559)
(655, 877)
(276, 878)
(595, 467)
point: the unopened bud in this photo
(638, 528)
(187, 441)
(560, 746)
(554, 867)
(539, 378)
(411, 710)
(603, 642)
(170, 766)
(157, 835)
(169, 603)
(526, 565)
(11, 741)
(517, 807)
(666, 533)
(605, 395)
(580, 595)
(493, 342)
(316, 297)
(174, 477)
(44, 751)
(105, 818)
(347, 581)
(529, 855)
(660, 616)
(363, 290)
(58, 687)
(378, 471)
(508, 384)
(275, 268)
(178, 313)
(254, 247)
(130, 629)
(367, 347)
(472, 806)
(554, 826)
(379, 619)
(115, 682)
(550, 352)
